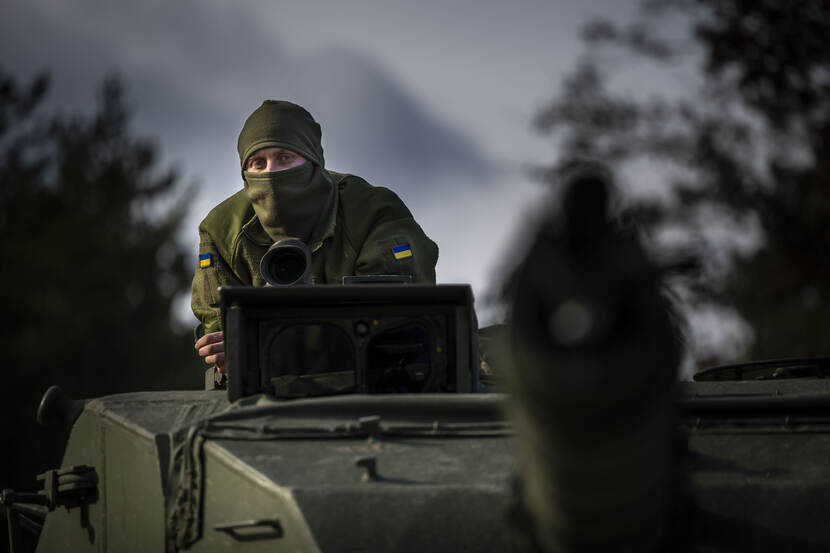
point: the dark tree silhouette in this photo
(91, 264)
(749, 143)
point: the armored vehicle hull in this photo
(596, 448)
(349, 473)
(417, 472)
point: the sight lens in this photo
(287, 266)
(286, 262)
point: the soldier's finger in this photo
(209, 339)
(217, 359)
(211, 349)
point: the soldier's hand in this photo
(212, 348)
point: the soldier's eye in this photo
(256, 163)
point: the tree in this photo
(747, 148)
(91, 266)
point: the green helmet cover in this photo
(281, 124)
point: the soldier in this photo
(351, 227)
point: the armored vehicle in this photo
(370, 417)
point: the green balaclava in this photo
(288, 203)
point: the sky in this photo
(433, 99)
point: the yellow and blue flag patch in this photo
(205, 260)
(402, 251)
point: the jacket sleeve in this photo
(395, 244)
(212, 271)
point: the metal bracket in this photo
(370, 425)
(215, 380)
(370, 465)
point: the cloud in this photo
(194, 71)
(373, 124)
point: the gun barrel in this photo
(593, 361)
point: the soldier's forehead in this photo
(272, 149)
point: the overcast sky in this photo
(432, 99)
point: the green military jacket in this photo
(356, 235)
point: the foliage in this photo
(748, 146)
(91, 266)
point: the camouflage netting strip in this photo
(184, 484)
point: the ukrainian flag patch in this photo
(205, 260)
(402, 252)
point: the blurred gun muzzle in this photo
(286, 263)
(591, 380)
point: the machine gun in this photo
(593, 360)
